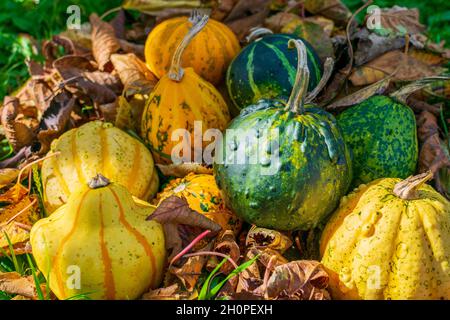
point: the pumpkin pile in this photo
(207, 141)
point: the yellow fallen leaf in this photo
(7, 176)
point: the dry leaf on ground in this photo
(104, 42)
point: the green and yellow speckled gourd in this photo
(100, 244)
(299, 176)
(383, 137)
(97, 147)
(180, 98)
(389, 239)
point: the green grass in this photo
(20, 19)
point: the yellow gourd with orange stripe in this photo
(180, 99)
(97, 147)
(209, 54)
(203, 195)
(100, 244)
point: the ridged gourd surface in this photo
(94, 148)
(378, 246)
(104, 233)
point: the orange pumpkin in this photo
(203, 196)
(209, 54)
(180, 98)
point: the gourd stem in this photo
(407, 189)
(256, 33)
(99, 181)
(176, 72)
(296, 100)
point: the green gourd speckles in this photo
(382, 135)
(266, 69)
(312, 173)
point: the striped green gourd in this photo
(266, 69)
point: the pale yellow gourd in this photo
(97, 147)
(389, 239)
(100, 244)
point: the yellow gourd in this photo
(180, 99)
(100, 243)
(97, 147)
(389, 239)
(209, 54)
(203, 195)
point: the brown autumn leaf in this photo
(80, 37)
(8, 176)
(361, 95)
(314, 34)
(434, 153)
(247, 14)
(54, 120)
(221, 9)
(267, 238)
(50, 49)
(189, 271)
(331, 9)
(406, 66)
(134, 74)
(183, 169)
(370, 45)
(80, 78)
(225, 244)
(298, 280)
(172, 292)
(277, 21)
(104, 42)
(17, 133)
(253, 277)
(14, 283)
(180, 222)
(421, 41)
(398, 21)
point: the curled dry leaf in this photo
(183, 169)
(225, 244)
(398, 21)
(14, 283)
(299, 280)
(134, 74)
(54, 120)
(104, 42)
(362, 94)
(434, 153)
(190, 270)
(175, 215)
(17, 133)
(267, 238)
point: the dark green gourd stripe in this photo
(266, 69)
